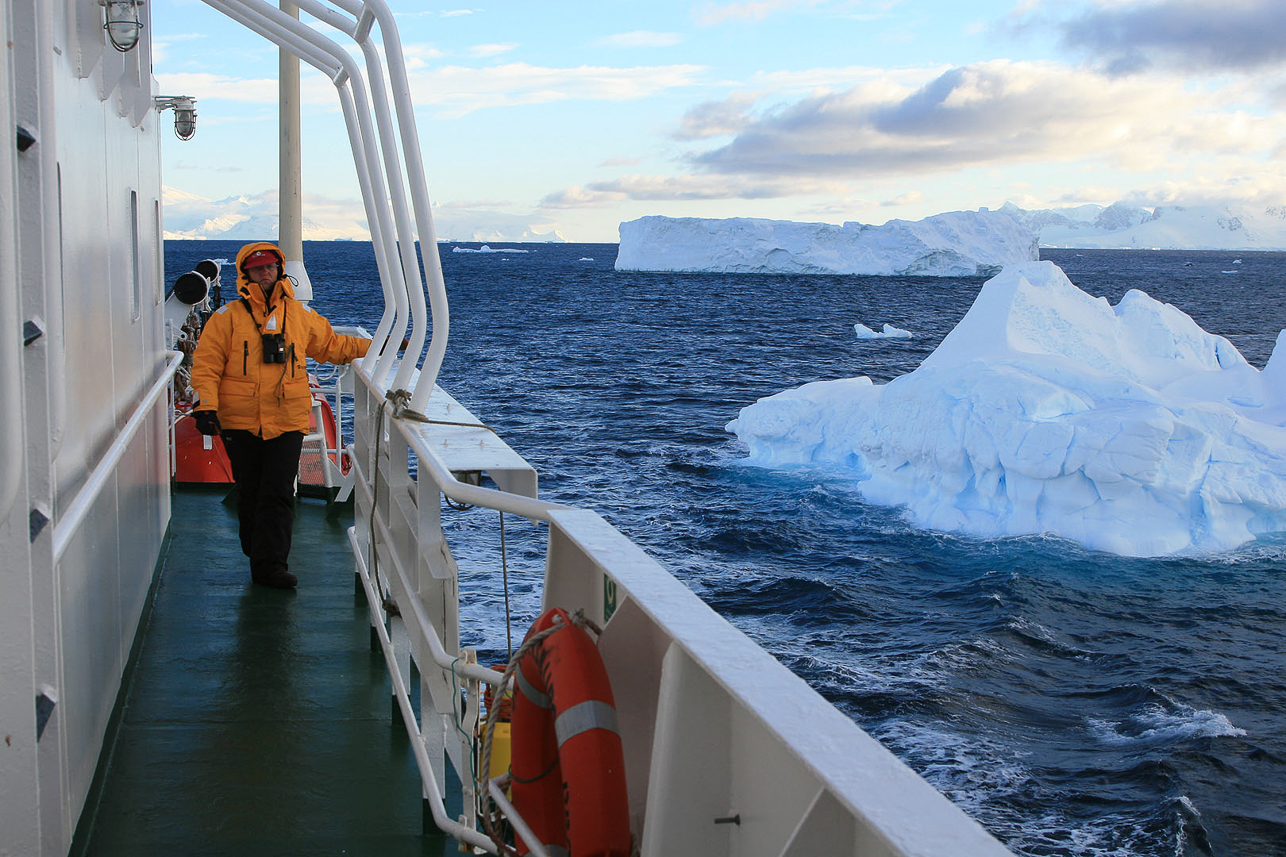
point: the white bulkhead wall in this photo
(19, 774)
(85, 213)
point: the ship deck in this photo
(253, 720)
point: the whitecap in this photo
(1156, 725)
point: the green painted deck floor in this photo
(255, 721)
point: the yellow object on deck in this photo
(500, 749)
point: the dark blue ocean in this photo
(1075, 703)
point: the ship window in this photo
(134, 266)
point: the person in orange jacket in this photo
(252, 386)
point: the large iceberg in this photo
(1128, 429)
(955, 244)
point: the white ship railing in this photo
(104, 472)
(727, 752)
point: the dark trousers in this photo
(265, 472)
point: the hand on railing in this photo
(406, 343)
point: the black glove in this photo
(207, 422)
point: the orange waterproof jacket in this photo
(228, 372)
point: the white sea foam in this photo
(987, 778)
(1160, 725)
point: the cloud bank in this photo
(1190, 35)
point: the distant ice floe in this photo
(485, 249)
(954, 244)
(889, 332)
(1128, 429)
(585, 259)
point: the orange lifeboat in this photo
(201, 459)
(198, 458)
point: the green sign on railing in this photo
(609, 598)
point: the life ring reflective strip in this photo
(568, 765)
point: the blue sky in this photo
(577, 116)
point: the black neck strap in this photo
(245, 303)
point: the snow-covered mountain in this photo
(1166, 227)
(254, 218)
(958, 243)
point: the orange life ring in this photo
(568, 765)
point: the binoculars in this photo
(274, 348)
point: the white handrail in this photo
(393, 168)
(436, 805)
(69, 522)
(327, 56)
(10, 319)
(436, 650)
(461, 492)
(419, 197)
(534, 845)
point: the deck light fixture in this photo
(184, 113)
(122, 23)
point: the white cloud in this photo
(682, 187)
(459, 89)
(161, 47)
(640, 39)
(717, 118)
(992, 113)
(841, 77)
(1188, 36)
(254, 217)
(909, 198)
(482, 51)
(314, 88)
(750, 10)
(1016, 119)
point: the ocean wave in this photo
(1161, 724)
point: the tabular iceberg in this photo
(955, 244)
(1128, 429)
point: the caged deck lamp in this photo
(184, 113)
(122, 22)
